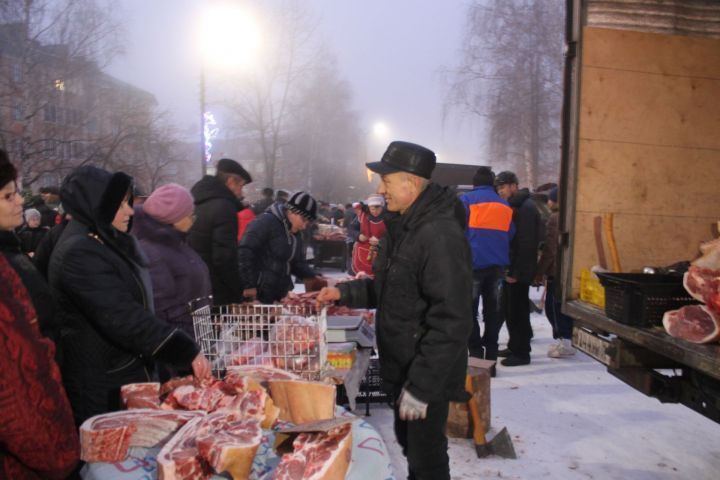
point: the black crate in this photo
(370, 388)
(640, 299)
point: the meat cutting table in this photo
(370, 459)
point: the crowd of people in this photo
(98, 296)
(102, 298)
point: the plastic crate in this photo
(370, 388)
(640, 299)
(293, 338)
(591, 291)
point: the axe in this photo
(501, 445)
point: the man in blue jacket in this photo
(489, 230)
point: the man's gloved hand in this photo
(410, 407)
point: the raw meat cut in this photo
(237, 393)
(198, 398)
(173, 383)
(301, 401)
(710, 257)
(220, 441)
(293, 335)
(318, 456)
(248, 351)
(140, 395)
(694, 323)
(243, 384)
(232, 449)
(261, 373)
(107, 437)
(704, 285)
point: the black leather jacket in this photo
(423, 292)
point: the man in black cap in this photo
(272, 249)
(214, 234)
(521, 272)
(423, 293)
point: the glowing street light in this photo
(229, 38)
(380, 130)
(379, 135)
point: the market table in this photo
(370, 459)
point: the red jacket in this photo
(38, 438)
(245, 216)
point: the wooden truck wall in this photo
(648, 146)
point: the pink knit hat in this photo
(169, 203)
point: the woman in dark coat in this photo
(32, 233)
(38, 438)
(110, 334)
(178, 273)
(272, 249)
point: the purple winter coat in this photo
(178, 273)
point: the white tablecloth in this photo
(370, 459)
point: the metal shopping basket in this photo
(291, 338)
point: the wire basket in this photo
(292, 338)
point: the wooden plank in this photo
(646, 179)
(651, 52)
(704, 358)
(634, 107)
(642, 240)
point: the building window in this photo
(18, 148)
(92, 125)
(49, 147)
(18, 111)
(17, 72)
(49, 112)
(77, 150)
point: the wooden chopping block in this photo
(459, 423)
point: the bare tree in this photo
(51, 55)
(263, 98)
(325, 149)
(511, 76)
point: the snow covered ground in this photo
(570, 419)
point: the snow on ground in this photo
(570, 419)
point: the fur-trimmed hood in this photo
(92, 196)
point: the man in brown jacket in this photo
(562, 325)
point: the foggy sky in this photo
(391, 52)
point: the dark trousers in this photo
(424, 443)
(487, 283)
(562, 325)
(516, 309)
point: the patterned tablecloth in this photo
(370, 459)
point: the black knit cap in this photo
(227, 165)
(303, 204)
(506, 178)
(8, 173)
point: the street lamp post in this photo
(228, 37)
(203, 160)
